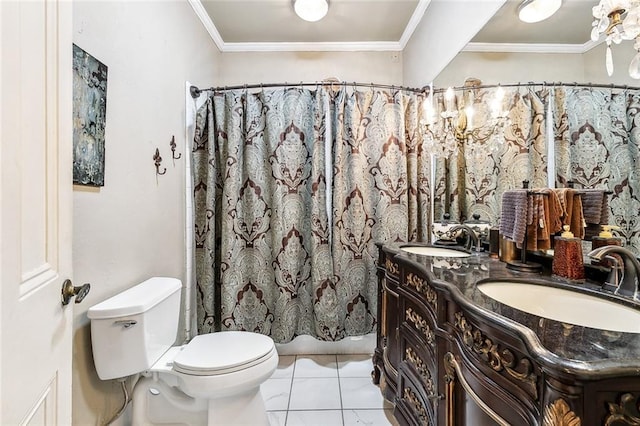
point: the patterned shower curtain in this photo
(597, 145)
(473, 179)
(275, 252)
(380, 191)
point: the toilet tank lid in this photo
(137, 299)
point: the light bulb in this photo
(469, 113)
(448, 96)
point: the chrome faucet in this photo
(472, 238)
(630, 269)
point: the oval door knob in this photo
(69, 290)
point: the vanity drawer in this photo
(497, 355)
(419, 289)
(419, 320)
(420, 361)
(413, 403)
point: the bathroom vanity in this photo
(448, 354)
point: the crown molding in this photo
(413, 23)
(380, 46)
(357, 46)
(531, 47)
(202, 14)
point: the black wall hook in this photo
(172, 144)
(158, 160)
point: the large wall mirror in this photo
(552, 135)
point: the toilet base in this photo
(245, 409)
(157, 403)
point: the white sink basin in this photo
(434, 251)
(564, 305)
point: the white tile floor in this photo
(325, 390)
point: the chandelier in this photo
(455, 124)
(618, 20)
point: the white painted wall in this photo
(494, 68)
(133, 227)
(445, 29)
(596, 72)
(294, 67)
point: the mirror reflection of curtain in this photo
(484, 167)
(597, 144)
(449, 168)
(284, 248)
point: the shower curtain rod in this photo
(543, 84)
(195, 91)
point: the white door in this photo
(35, 211)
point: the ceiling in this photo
(271, 25)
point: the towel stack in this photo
(545, 219)
(540, 213)
(534, 213)
(571, 210)
(595, 206)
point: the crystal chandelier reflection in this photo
(443, 133)
(618, 20)
(439, 132)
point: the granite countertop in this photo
(584, 351)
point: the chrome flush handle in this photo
(126, 323)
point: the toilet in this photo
(212, 380)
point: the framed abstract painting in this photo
(89, 118)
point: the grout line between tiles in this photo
(327, 409)
(293, 375)
(340, 390)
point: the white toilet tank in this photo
(131, 330)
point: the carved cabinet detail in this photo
(443, 362)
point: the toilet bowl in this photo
(214, 379)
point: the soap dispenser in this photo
(567, 259)
(606, 238)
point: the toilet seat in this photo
(223, 352)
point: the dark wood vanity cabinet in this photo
(406, 359)
(443, 362)
(386, 354)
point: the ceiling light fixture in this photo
(531, 11)
(618, 20)
(311, 10)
